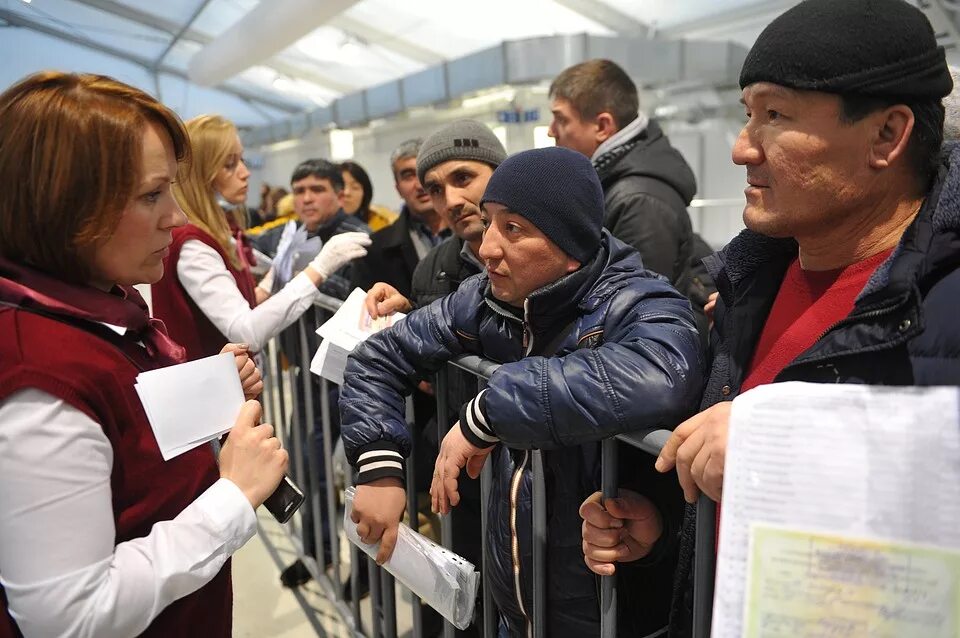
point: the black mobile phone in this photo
(285, 500)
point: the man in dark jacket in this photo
(396, 250)
(849, 269)
(647, 184)
(581, 329)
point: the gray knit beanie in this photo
(461, 140)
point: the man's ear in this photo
(606, 127)
(340, 197)
(893, 128)
(572, 265)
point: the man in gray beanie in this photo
(592, 345)
(848, 269)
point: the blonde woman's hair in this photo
(211, 137)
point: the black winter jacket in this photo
(391, 257)
(647, 186)
(902, 329)
(645, 372)
(441, 272)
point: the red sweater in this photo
(808, 303)
(185, 322)
(97, 378)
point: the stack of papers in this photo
(191, 403)
(342, 333)
(840, 513)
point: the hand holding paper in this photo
(377, 510)
(383, 299)
(250, 378)
(443, 580)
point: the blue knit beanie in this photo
(558, 191)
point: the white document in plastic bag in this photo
(442, 579)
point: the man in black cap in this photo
(848, 269)
(592, 345)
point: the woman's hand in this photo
(250, 377)
(252, 457)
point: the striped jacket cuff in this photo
(474, 425)
(379, 460)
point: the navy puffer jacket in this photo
(644, 372)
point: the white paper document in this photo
(444, 580)
(840, 513)
(350, 325)
(191, 403)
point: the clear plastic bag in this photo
(442, 579)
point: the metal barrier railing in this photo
(285, 395)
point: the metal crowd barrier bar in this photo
(289, 397)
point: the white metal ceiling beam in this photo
(163, 24)
(390, 41)
(18, 20)
(179, 33)
(267, 29)
(753, 15)
(605, 15)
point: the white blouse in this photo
(63, 573)
(211, 286)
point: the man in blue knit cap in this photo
(591, 344)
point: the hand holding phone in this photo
(254, 460)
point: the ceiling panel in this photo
(93, 24)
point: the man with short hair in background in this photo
(397, 249)
(647, 184)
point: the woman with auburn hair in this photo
(208, 296)
(99, 536)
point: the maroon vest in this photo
(49, 348)
(185, 322)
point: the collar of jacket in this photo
(557, 303)
(749, 270)
(333, 226)
(606, 162)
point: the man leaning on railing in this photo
(592, 345)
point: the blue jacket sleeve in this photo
(646, 374)
(381, 371)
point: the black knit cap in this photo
(558, 191)
(878, 48)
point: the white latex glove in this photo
(339, 251)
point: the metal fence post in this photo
(490, 619)
(413, 509)
(704, 566)
(314, 502)
(539, 547)
(608, 584)
(440, 388)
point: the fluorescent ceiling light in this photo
(341, 145)
(498, 95)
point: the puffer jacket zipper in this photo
(527, 332)
(514, 539)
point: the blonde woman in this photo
(208, 297)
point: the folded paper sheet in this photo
(841, 513)
(191, 403)
(350, 325)
(442, 579)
